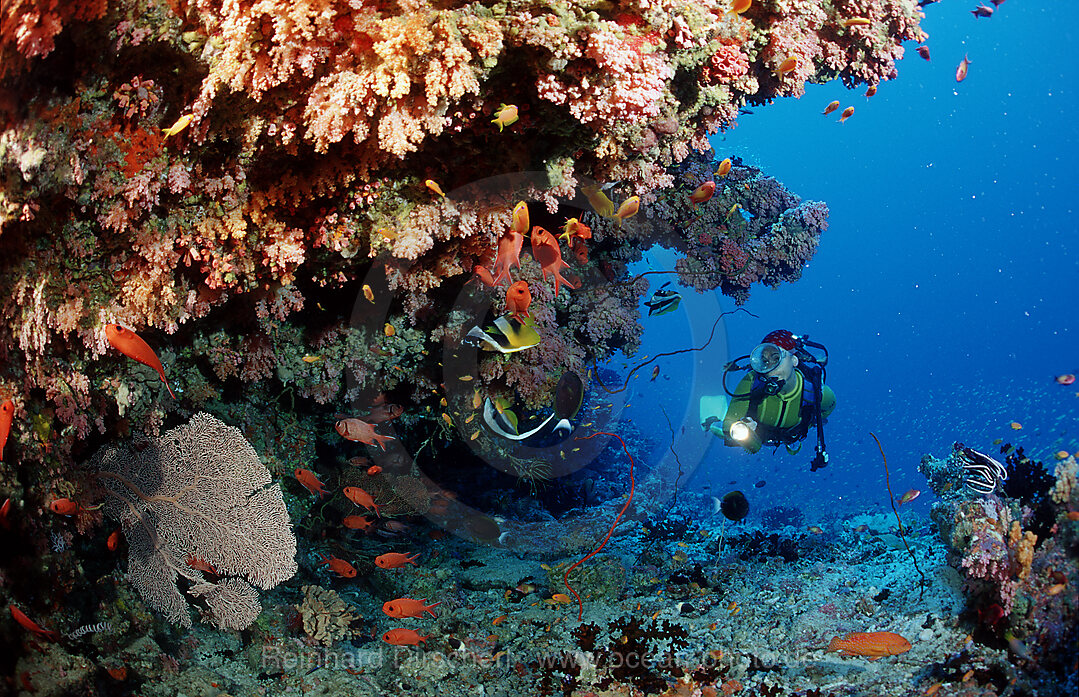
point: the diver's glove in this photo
(707, 423)
(820, 460)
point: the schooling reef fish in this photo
(505, 116)
(404, 637)
(357, 430)
(395, 560)
(407, 607)
(518, 298)
(7, 412)
(131, 345)
(310, 481)
(961, 71)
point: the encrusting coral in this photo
(325, 616)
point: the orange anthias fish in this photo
(7, 413)
(361, 431)
(361, 498)
(724, 168)
(847, 113)
(131, 345)
(433, 186)
(923, 51)
(31, 625)
(872, 644)
(339, 566)
(832, 106)
(395, 560)
(114, 541)
(407, 607)
(505, 116)
(870, 91)
(739, 6)
(961, 71)
(909, 496)
(356, 522)
(404, 637)
(628, 209)
(548, 255)
(518, 298)
(702, 193)
(787, 66)
(519, 224)
(310, 481)
(374, 470)
(509, 254)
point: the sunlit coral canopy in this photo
(300, 177)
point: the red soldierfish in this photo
(403, 637)
(357, 430)
(548, 255)
(518, 298)
(395, 560)
(31, 625)
(407, 607)
(131, 345)
(339, 566)
(310, 481)
(7, 413)
(361, 498)
(961, 71)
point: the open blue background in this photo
(947, 282)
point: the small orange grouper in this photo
(872, 644)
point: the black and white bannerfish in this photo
(507, 336)
(567, 402)
(663, 301)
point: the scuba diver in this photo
(777, 401)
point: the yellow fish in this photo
(433, 186)
(1016, 425)
(181, 124)
(311, 359)
(854, 22)
(447, 419)
(475, 435)
(731, 212)
(388, 234)
(603, 206)
(724, 168)
(520, 218)
(389, 330)
(368, 293)
(505, 116)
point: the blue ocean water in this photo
(945, 287)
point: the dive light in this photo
(744, 432)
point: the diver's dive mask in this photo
(766, 357)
